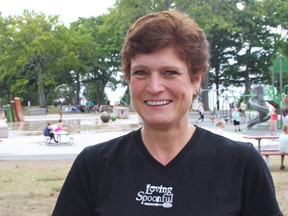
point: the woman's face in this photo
(161, 88)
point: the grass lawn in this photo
(31, 187)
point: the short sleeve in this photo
(75, 196)
(258, 193)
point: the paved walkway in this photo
(25, 143)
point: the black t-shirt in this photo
(212, 175)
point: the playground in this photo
(254, 107)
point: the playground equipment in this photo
(224, 101)
(257, 102)
(276, 100)
(280, 66)
(225, 113)
(272, 97)
(14, 112)
(227, 99)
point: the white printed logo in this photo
(156, 196)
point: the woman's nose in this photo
(155, 84)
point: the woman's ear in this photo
(197, 85)
(197, 80)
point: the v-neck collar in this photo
(175, 161)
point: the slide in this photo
(9, 113)
(18, 109)
(257, 102)
(13, 107)
(263, 112)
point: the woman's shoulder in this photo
(113, 146)
(221, 142)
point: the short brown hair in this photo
(170, 28)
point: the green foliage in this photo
(34, 50)
(102, 55)
(39, 53)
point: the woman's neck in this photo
(165, 144)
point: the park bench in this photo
(274, 152)
(35, 111)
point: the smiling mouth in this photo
(158, 103)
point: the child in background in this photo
(220, 126)
(201, 113)
(60, 126)
(283, 144)
(285, 119)
(48, 131)
(236, 119)
(273, 121)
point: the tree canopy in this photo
(39, 53)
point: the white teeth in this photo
(157, 103)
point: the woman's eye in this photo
(171, 73)
(140, 72)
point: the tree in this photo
(35, 53)
(216, 18)
(77, 48)
(102, 57)
(39, 53)
(5, 51)
(240, 40)
(276, 10)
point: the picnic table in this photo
(260, 137)
(59, 135)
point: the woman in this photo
(169, 166)
(283, 144)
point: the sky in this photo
(68, 11)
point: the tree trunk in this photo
(99, 96)
(41, 91)
(246, 73)
(205, 98)
(77, 88)
(217, 71)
